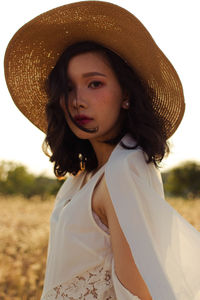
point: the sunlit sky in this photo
(174, 25)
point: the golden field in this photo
(24, 230)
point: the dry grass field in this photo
(24, 229)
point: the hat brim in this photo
(35, 48)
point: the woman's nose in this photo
(79, 99)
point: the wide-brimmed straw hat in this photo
(35, 48)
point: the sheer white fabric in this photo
(93, 284)
(164, 245)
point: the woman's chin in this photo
(84, 135)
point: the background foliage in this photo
(16, 180)
(183, 180)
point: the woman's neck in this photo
(103, 152)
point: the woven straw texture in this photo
(35, 48)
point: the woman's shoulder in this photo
(131, 164)
(133, 158)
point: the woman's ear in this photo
(125, 101)
(125, 104)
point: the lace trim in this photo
(94, 284)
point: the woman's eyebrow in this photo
(93, 74)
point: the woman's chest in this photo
(76, 204)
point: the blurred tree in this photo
(183, 180)
(19, 181)
(45, 186)
(16, 180)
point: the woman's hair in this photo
(140, 120)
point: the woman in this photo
(112, 99)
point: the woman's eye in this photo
(95, 84)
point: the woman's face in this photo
(93, 91)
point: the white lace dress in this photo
(99, 282)
(93, 284)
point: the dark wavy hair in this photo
(140, 120)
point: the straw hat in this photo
(35, 48)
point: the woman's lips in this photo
(83, 121)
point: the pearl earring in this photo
(127, 103)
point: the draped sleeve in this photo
(165, 247)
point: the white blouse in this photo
(165, 247)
